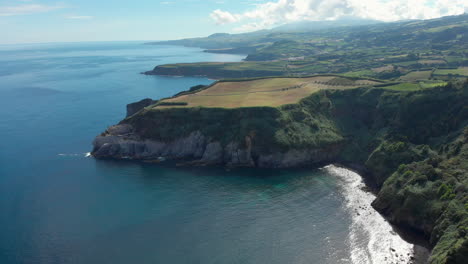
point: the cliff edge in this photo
(412, 146)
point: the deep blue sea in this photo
(59, 206)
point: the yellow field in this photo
(264, 92)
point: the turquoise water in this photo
(58, 206)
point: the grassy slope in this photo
(261, 92)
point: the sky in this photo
(39, 21)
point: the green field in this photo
(416, 76)
(429, 84)
(262, 92)
(442, 28)
(382, 51)
(404, 87)
(414, 86)
(463, 71)
(360, 73)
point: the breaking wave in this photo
(87, 154)
(372, 239)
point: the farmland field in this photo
(416, 75)
(263, 92)
(460, 71)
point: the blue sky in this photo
(88, 20)
(24, 21)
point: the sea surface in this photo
(59, 206)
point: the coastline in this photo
(387, 243)
(363, 184)
(383, 147)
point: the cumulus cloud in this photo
(283, 11)
(223, 17)
(25, 9)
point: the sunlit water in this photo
(59, 206)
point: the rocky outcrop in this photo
(120, 142)
(133, 108)
(213, 153)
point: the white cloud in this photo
(222, 17)
(25, 9)
(283, 11)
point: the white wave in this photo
(372, 239)
(87, 154)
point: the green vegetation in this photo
(404, 87)
(383, 51)
(404, 121)
(412, 144)
(429, 84)
(416, 76)
(431, 195)
(462, 71)
(223, 70)
(443, 28)
(171, 104)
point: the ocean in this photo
(57, 205)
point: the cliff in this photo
(410, 145)
(237, 50)
(133, 108)
(221, 70)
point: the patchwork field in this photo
(463, 71)
(416, 76)
(415, 86)
(262, 92)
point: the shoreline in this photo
(419, 251)
(387, 243)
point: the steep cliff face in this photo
(430, 196)
(412, 145)
(374, 128)
(133, 108)
(121, 142)
(214, 70)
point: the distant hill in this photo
(225, 40)
(363, 33)
(409, 49)
(305, 26)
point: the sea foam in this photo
(371, 239)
